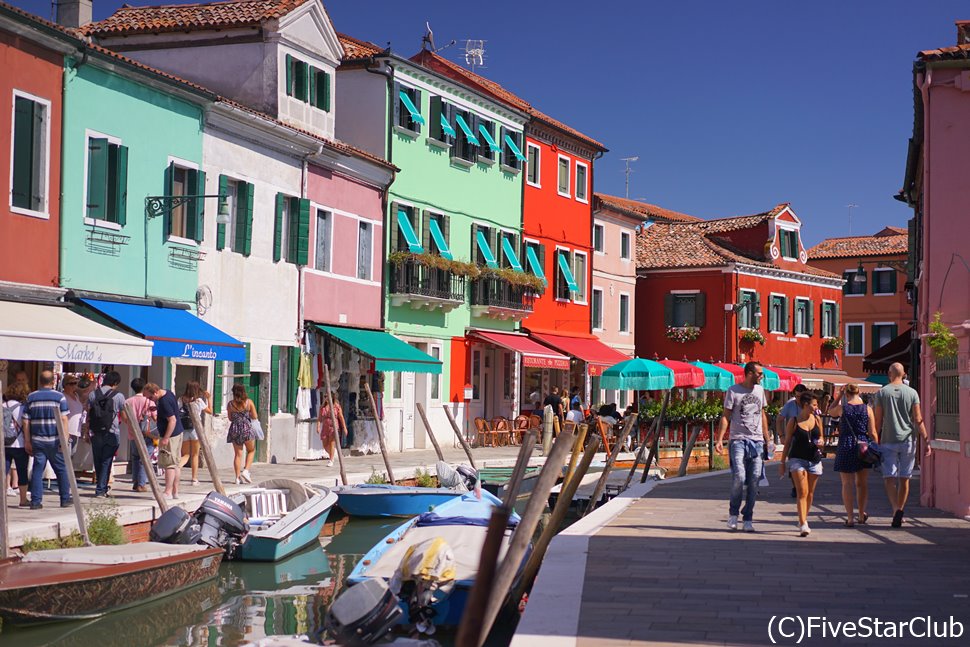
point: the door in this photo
(421, 388)
(407, 410)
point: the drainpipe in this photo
(304, 193)
(83, 49)
(924, 83)
(387, 72)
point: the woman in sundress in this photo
(856, 424)
(241, 412)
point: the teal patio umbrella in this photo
(771, 381)
(715, 377)
(637, 375)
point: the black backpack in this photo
(101, 415)
(186, 416)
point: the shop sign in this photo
(595, 370)
(533, 361)
(79, 352)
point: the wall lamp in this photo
(860, 273)
(160, 205)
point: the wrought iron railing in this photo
(413, 277)
(492, 291)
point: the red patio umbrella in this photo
(686, 376)
(787, 379)
(736, 369)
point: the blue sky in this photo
(731, 107)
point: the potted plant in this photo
(752, 336)
(833, 343)
(941, 339)
(683, 334)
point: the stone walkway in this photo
(667, 571)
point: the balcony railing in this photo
(497, 298)
(422, 286)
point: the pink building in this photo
(936, 187)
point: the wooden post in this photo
(569, 487)
(601, 483)
(522, 537)
(4, 537)
(69, 467)
(518, 473)
(577, 448)
(655, 433)
(655, 447)
(685, 459)
(210, 462)
(380, 431)
(547, 417)
(459, 435)
(469, 631)
(333, 421)
(710, 446)
(146, 460)
(427, 426)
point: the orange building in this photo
(875, 308)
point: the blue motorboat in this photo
(381, 500)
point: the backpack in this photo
(186, 415)
(10, 427)
(101, 415)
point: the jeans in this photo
(139, 475)
(746, 463)
(48, 453)
(20, 458)
(103, 449)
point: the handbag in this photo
(868, 452)
(257, 429)
(149, 427)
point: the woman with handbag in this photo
(803, 439)
(857, 430)
(242, 432)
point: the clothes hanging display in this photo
(304, 375)
(303, 404)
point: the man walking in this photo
(169, 436)
(898, 416)
(744, 406)
(39, 422)
(554, 400)
(104, 408)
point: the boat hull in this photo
(496, 481)
(391, 501)
(270, 549)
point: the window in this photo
(624, 312)
(483, 232)
(281, 230)
(855, 282)
(804, 324)
(185, 220)
(321, 259)
(107, 188)
(684, 309)
(854, 344)
(511, 144)
(534, 178)
(535, 257)
(291, 235)
(778, 314)
(563, 263)
(307, 83)
(31, 151)
(882, 334)
(598, 238)
(749, 314)
(365, 233)
(229, 189)
(407, 227)
(466, 143)
(947, 410)
(596, 308)
(564, 176)
(397, 381)
(625, 245)
(239, 200)
(789, 243)
(320, 89)
(436, 379)
(475, 380)
(830, 319)
(581, 171)
(486, 139)
(437, 234)
(883, 281)
(579, 274)
(507, 255)
(407, 109)
(282, 379)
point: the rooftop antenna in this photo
(850, 207)
(427, 41)
(628, 170)
(474, 53)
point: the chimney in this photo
(963, 32)
(73, 13)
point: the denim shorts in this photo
(795, 464)
(898, 459)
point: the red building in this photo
(737, 289)
(33, 68)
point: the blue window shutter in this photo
(485, 249)
(407, 230)
(510, 255)
(439, 239)
(567, 272)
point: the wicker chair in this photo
(483, 430)
(501, 431)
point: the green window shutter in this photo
(294, 369)
(97, 178)
(326, 92)
(894, 329)
(838, 323)
(810, 317)
(426, 230)
(23, 153)
(434, 125)
(220, 228)
(293, 206)
(121, 185)
(274, 383)
(289, 75)
(300, 80)
(167, 189)
(313, 86)
(244, 230)
(892, 282)
(278, 228)
(197, 213)
(218, 369)
(700, 309)
(668, 309)
(303, 233)
(787, 305)
(396, 103)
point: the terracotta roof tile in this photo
(189, 17)
(891, 240)
(644, 209)
(957, 52)
(355, 49)
(431, 60)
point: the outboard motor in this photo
(175, 526)
(222, 522)
(426, 575)
(461, 478)
(363, 614)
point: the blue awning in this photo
(173, 332)
(414, 245)
(488, 138)
(445, 126)
(415, 113)
(511, 255)
(514, 148)
(534, 263)
(567, 273)
(486, 250)
(468, 131)
(439, 240)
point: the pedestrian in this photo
(144, 410)
(13, 405)
(76, 408)
(193, 397)
(788, 411)
(103, 428)
(242, 436)
(39, 422)
(803, 439)
(555, 401)
(170, 432)
(574, 398)
(857, 424)
(325, 428)
(575, 413)
(744, 409)
(897, 418)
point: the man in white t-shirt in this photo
(744, 406)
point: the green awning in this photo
(439, 240)
(445, 126)
(878, 379)
(414, 245)
(486, 250)
(515, 149)
(534, 263)
(389, 352)
(567, 273)
(465, 128)
(488, 138)
(511, 255)
(415, 113)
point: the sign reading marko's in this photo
(79, 352)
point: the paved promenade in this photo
(665, 570)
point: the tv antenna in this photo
(628, 170)
(850, 207)
(427, 41)
(474, 53)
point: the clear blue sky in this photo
(732, 107)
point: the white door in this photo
(407, 410)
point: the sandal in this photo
(864, 518)
(849, 524)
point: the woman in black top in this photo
(803, 438)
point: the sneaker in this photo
(12, 491)
(733, 522)
(67, 504)
(805, 531)
(238, 481)
(748, 526)
(195, 481)
(330, 463)
(897, 519)
(245, 476)
(36, 506)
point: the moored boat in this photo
(382, 500)
(496, 480)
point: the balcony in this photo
(496, 298)
(425, 288)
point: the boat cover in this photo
(465, 542)
(108, 555)
(426, 519)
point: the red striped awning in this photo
(686, 376)
(597, 355)
(533, 353)
(788, 380)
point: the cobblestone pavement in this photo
(667, 570)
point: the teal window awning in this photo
(486, 250)
(515, 149)
(534, 263)
(389, 352)
(415, 113)
(465, 129)
(445, 126)
(404, 223)
(567, 273)
(488, 138)
(511, 255)
(439, 240)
